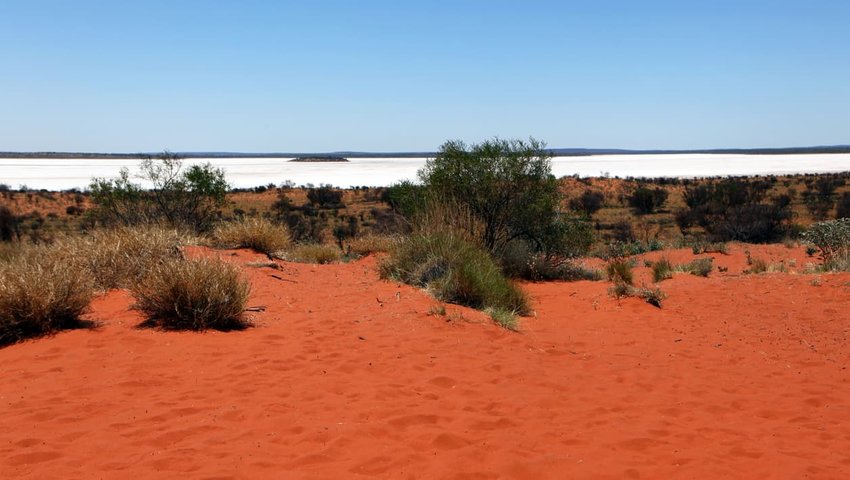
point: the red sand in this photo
(347, 376)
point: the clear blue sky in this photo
(402, 75)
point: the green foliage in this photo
(406, 198)
(504, 318)
(832, 238)
(842, 209)
(177, 197)
(588, 203)
(325, 196)
(733, 209)
(507, 184)
(454, 270)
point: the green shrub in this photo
(257, 233)
(507, 185)
(504, 319)
(662, 270)
(454, 270)
(41, 292)
(518, 260)
(193, 295)
(189, 198)
(588, 203)
(710, 247)
(645, 200)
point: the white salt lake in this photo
(62, 174)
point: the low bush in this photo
(619, 270)
(842, 209)
(520, 261)
(700, 267)
(41, 292)
(193, 295)
(645, 200)
(652, 296)
(257, 233)
(454, 270)
(588, 203)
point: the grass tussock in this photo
(259, 234)
(193, 295)
(368, 244)
(700, 267)
(121, 257)
(653, 296)
(619, 270)
(662, 270)
(454, 270)
(519, 261)
(313, 253)
(41, 292)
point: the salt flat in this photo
(60, 174)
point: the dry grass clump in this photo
(455, 270)
(193, 295)
(41, 292)
(652, 296)
(619, 270)
(715, 247)
(259, 234)
(313, 253)
(120, 257)
(662, 270)
(367, 244)
(700, 267)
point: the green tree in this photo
(179, 197)
(508, 185)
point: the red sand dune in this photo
(347, 376)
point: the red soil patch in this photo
(347, 376)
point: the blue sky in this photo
(404, 76)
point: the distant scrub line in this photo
(478, 218)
